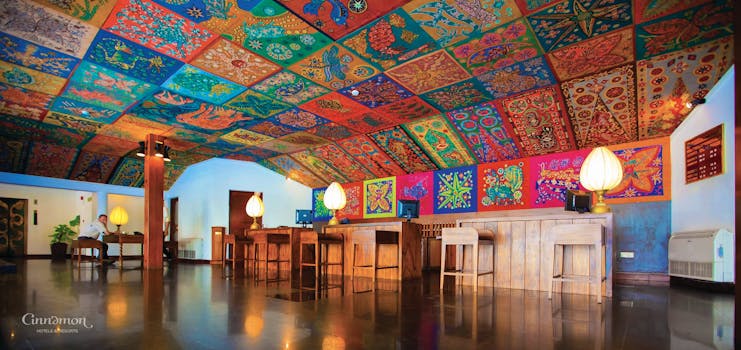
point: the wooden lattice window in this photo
(703, 155)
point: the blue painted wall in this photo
(643, 228)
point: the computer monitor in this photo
(304, 217)
(578, 201)
(407, 209)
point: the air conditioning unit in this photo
(703, 255)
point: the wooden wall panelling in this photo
(532, 255)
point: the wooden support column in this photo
(154, 183)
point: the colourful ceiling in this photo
(344, 90)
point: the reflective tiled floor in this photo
(192, 307)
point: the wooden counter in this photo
(410, 248)
(521, 253)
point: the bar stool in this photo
(373, 238)
(229, 245)
(320, 243)
(574, 235)
(461, 237)
(265, 240)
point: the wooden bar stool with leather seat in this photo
(592, 235)
(373, 238)
(230, 253)
(320, 243)
(461, 237)
(79, 244)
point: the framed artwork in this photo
(703, 155)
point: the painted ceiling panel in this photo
(390, 40)
(30, 55)
(449, 22)
(50, 160)
(440, 142)
(338, 18)
(84, 110)
(129, 173)
(667, 82)
(276, 33)
(363, 149)
(46, 27)
(575, 20)
(539, 122)
(23, 103)
(157, 28)
(397, 144)
(522, 76)
(257, 104)
(193, 82)
(93, 167)
(685, 29)
(127, 57)
(498, 48)
(334, 67)
(319, 166)
(231, 61)
(593, 55)
(485, 132)
(105, 88)
(30, 79)
(338, 159)
(459, 95)
(473, 82)
(116, 147)
(91, 11)
(602, 108)
(428, 72)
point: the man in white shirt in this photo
(95, 230)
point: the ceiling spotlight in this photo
(695, 102)
(85, 113)
(167, 154)
(140, 151)
(158, 149)
(355, 92)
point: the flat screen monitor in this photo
(578, 201)
(407, 209)
(304, 216)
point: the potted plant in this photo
(63, 233)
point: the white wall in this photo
(203, 198)
(53, 207)
(709, 203)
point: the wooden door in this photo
(13, 219)
(238, 218)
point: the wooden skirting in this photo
(194, 261)
(642, 278)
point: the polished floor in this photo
(52, 305)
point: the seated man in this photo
(94, 231)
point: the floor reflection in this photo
(188, 306)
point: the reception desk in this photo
(409, 248)
(522, 254)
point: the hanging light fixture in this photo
(255, 209)
(119, 217)
(334, 200)
(601, 172)
(166, 154)
(141, 150)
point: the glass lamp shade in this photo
(601, 172)
(334, 197)
(255, 209)
(118, 217)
